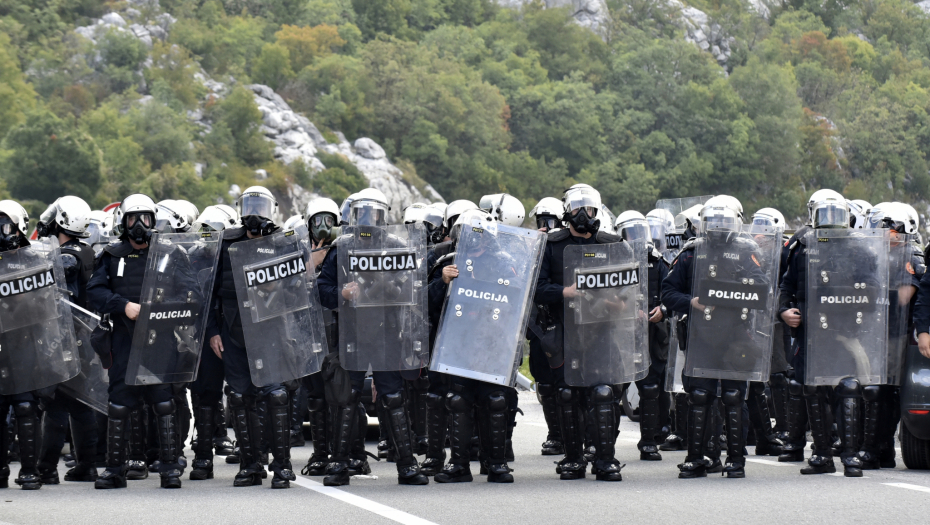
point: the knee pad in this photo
(278, 397)
(849, 387)
(545, 390)
(650, 391)
(117, 411)
(316, 404)
(497, 402)
(871, 392)
(756, 388)
(601, 394)
(235, 399)
(795, 388)
(565, 396)
(618, 390)
(699, 396)
(421, 383)
(809, 390)
(291, 385)
(354, 397)
(433, 400)
(164, 408)
(392, 401)
(733, 397)
(778, 380)
(458, 403)
(24, 408)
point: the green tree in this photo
(16, 96)
(241, 118)
(272, 67)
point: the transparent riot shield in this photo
(279, 304)
(36, 329)
(735, 280)
(382, 304)
(606, 334)
(847, 306)
(674, 240)
(483, 326)
(676, 361)
(90, 385)
(176, 289)
(901, 288)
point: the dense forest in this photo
(474, 98)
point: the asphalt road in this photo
(649, 493)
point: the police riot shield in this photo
(482, 331)
(382, 302)
(91, 383)
(605, 325)
(676, 361)
(36, 329)
(674, 240)
(847, 306)
(735, 282)
(176, 290)
(902, 285)
(279, 304)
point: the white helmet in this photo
(689, 218)
(828, 209)
(892, 216)
(257, 201)
(369, 208)
(215, 218)
(467, 217)
(769, 217)
(858, 212)
(190, 210)
(912, 215)
(416, 212)
(135, 203)
(632, 225)
(581, 195)
(720, 216)
(344, 209)
(873, 219)
(69, 214)
(661, 215)
(607, 219)
(505, 208)
(549, 211)
(454, 209)
(293, 221)
(170, 214)
(725, 200)
(232, 212)
(16, 213)
(99, 227)
(321, 205)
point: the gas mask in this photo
(257, 225)
(323, 227)
(9, 234)
(140, 230)
(45, 230)
(582, 222)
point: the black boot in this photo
(796, 433)
(297, 418)
(571, 422)
(700, 407)
(168, 444)
(358, 458)
(84, 438)
(319, 417)
(552, 446)
(736, 462)
(222, 445)
(247, 435)
(649, 422)
(602, 412)
(54, 428)
(202, 467)
(385, 447)
(461, 431)
(27, 423)
(136, 466)
(821, 460)
(678, 439)
(497, 422)
(778, 386)
(869, 452)
(415, 400)
(345, 425)
(114, 477)
(408, 470)
(436, 416)
(767, 442)
(279, 411)
(851, 402)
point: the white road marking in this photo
(769, 462)
(908, 486)
(365, 504)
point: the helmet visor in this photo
(368, 213)
(721, 222)
(830, 215)
(432, 217)
(583, 200)
(635, 231)
(875, 218)
(657, 228)
(546, 221)
(145, 218)
(256, 204)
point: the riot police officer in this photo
(631, 226)
(115, 288)
(67, 219)
(257, 208)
